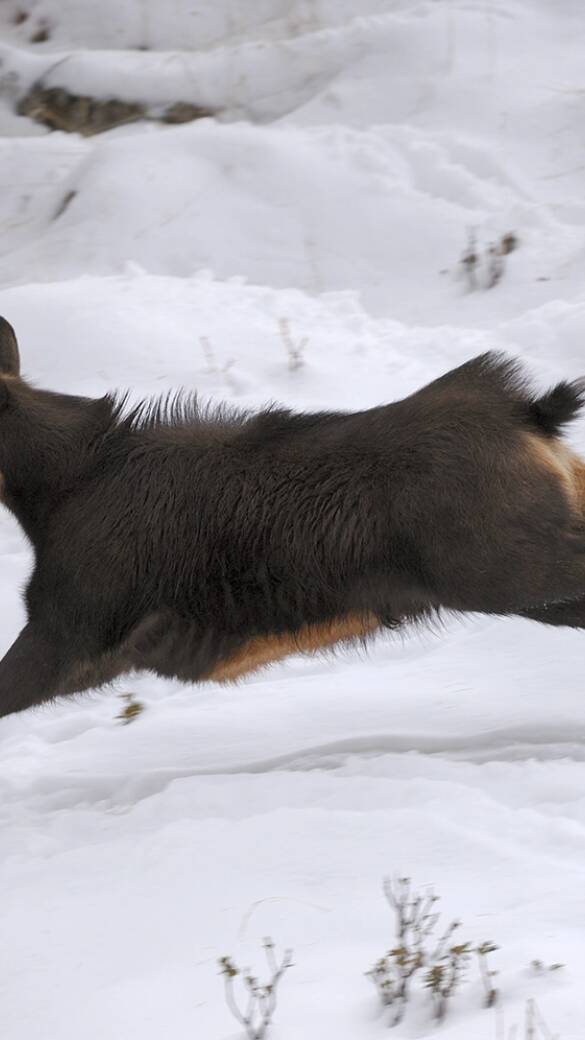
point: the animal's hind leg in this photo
(570, 615)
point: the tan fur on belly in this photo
(265, 650)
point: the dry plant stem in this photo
(541, 1025)
(441, 947)
(208, 353)
(535, 1027)
(530, 1021)
(539, 968)
(493, 259)
(491, 993)
(414, 922)
(412, 915)
(445, 978)
(441, 961)
(261, 1004)
(213, 368)
(508, 243)
(230, 998)
(132, 710)
(470, 261)
(295, 350)
(495, 265)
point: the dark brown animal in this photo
(202, 545)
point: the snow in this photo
(355, 148)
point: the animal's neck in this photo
(43, 473)
(34, 494)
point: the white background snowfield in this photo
(357, 143)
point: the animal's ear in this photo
(9, 356)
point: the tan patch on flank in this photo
(579, 479)
(563, 463)
(265, 650)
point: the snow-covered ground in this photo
(356, 146)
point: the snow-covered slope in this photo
(356, 148)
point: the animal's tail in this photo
(551, 412)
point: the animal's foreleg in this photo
(29, 672)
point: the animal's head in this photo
(9, 354)
(44, 436)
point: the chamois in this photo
(202, 544)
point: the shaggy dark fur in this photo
(204, 543)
